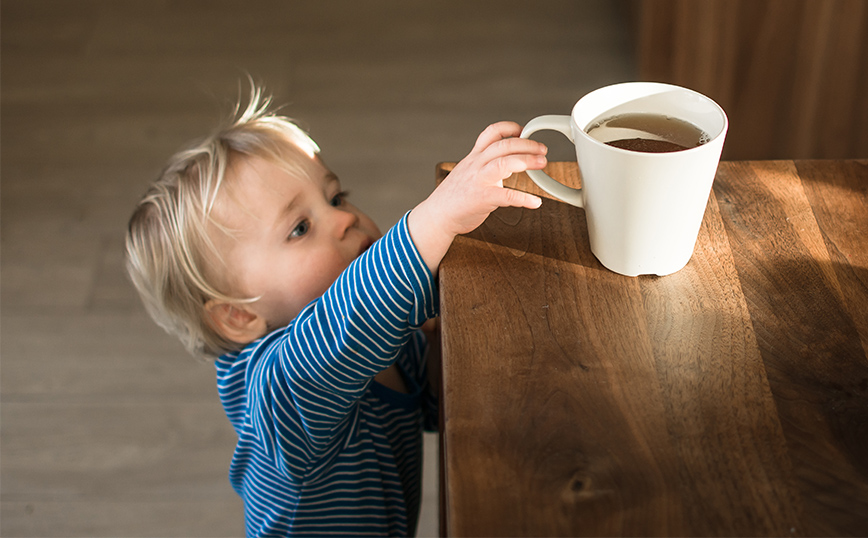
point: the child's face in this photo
(290, 238)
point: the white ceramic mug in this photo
(643, 210)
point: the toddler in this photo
(247, 249)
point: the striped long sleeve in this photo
(323, 449)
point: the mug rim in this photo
(650, 85)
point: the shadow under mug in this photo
(644, 210)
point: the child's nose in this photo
(344, 220)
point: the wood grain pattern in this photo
(727, 399)
(807, 332)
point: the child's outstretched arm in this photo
(474, 189)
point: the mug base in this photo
(636, 271)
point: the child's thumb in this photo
(516, 198)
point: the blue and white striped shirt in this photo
(322, 449)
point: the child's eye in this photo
(338, 200)
(300, 230)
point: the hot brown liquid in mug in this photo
(647, 133)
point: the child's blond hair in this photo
(169, 255)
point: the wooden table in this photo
(730, 398)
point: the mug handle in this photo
(544, 181)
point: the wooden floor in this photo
(108, 428)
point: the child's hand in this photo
(474, 189)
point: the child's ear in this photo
(234, 322)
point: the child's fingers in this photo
(495, 132)
(503, 167)
(510, 146)
(505, 197)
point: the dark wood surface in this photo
(730, 398)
